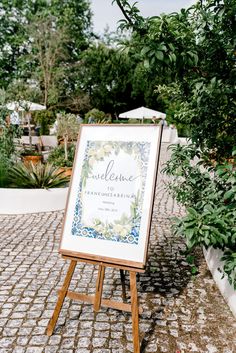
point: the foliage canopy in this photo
(193, 53)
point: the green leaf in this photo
(159, 55)
(146, 64)
(192, 211)
(190, 232)
(194, 270)
(229, 194)
(145, 50)
(190, 259)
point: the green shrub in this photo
(95, 115)
(209, 194)
(29, 152)
(44, 119)
(5, 165)
(37, 176)
(7, 149)
(57, 156)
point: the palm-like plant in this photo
(39, 176)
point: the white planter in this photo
(20, 201)
(212, 257)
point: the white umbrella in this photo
(142, 113)
(25, 106)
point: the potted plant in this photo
(44, 119)
(67, 131)
(57, 158)
(31, 156)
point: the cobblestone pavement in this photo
(181, 313)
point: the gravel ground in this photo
(181, 313)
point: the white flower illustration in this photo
(91, 161)
(122, 229)
(100, 153)
(107, 148)
(92, 152)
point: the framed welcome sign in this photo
(110, 200)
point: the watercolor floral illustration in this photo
(126, 228)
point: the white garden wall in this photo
(20, 201)
(212, 257)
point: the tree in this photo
(12, 40)
(69, 30)
(48, 54)
(74, 18)
(193, 55)
(105, 74)
(15, 15)
(67, 128)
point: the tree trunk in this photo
(66, 147)
(45, 95)
(28, 116)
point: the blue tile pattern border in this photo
(125, 230)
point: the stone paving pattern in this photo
(181, 313)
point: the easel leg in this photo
(134, 309)
(99, 286)
(61, 298)
(122, 277)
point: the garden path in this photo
(181, 313)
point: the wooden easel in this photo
(97, 300)
(122, 264)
